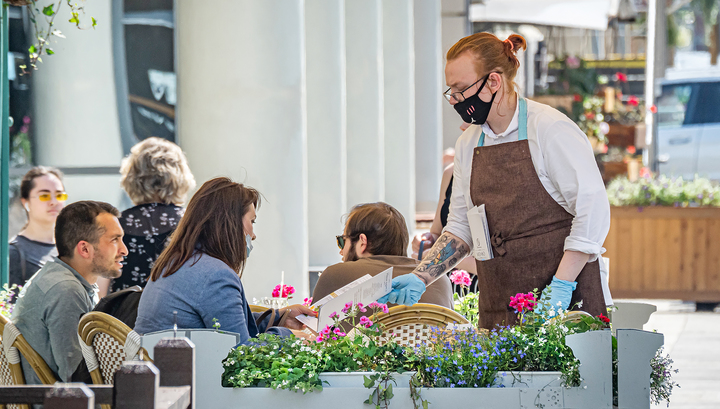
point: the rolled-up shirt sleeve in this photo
(457, 222)
(571, 167)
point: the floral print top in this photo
(147, 229)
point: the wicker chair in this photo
(410, 326)
(13, 345)
(258, 308)
(106, 343)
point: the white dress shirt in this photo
(564, 161)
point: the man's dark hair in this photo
(384, 226)
(78, 222)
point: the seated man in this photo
(375, 239)
(89, 244)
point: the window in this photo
(707, 107)
(672, 104)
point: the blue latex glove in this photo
(406, 289)
(559, 291)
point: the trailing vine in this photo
(45, 17)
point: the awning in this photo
(586, 14)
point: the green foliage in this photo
(43, 22)
(663, 191)
(467, 306)
(275, 362)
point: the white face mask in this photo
(248, 244)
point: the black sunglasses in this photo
(340, 241)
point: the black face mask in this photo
(473, 110)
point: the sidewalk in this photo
(693, 341)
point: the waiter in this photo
(533, 170)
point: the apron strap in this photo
(522, 124)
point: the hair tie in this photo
(512, 46)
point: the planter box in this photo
(356, 379)
(593, 349)
(665, 252)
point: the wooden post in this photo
(175, 358)
(70, 396)
(136, 384)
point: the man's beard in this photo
(106, 272)
(351, 255)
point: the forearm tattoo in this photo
(445, 254)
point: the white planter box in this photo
(593, 349)
(537, 380)
(356, 379)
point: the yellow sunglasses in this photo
(60, 196)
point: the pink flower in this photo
(621, 77)
(523, 303)
(319, 338)
(339, 332)
(307, 302)
(633, 101)
(347, 308)
(361, 307)
(326, 331)
(460, 277)
(334, 315)
(378, 306)
(287, 291)
(365, 321)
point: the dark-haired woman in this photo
(42, 195)
(198, 273)
(533, 172)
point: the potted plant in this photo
(660, 242)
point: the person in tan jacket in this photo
(375, 239)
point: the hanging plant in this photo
(43, 21)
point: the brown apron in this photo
(527, 229)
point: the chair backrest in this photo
(106, 343)
(12, 344)
(410, 326)
(258, 308)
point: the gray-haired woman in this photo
(157, 178)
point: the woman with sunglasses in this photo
(534, 171)
(42, 195)
(198, 274)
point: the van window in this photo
(672, 104)
(707, 107)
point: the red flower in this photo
(633, 101)
(653, 109)
(523, 303)
(645, 172)
(621, 77)
(604, 319)
(577, 98)
(590, 115)
(631, 150)
(287, 291)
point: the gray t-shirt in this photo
(48, 312)
(27, 257)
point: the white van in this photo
(688, 114)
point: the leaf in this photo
(32, 49)
(94, 22)
(75, 20)
(48, 10)
(49, 51)
(368, 382)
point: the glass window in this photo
(149, 54)
(672, 104)
(707, 107)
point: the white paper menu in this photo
(365, 290)
(482, 249)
